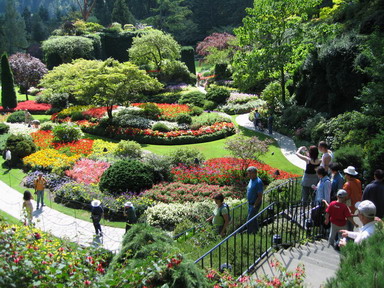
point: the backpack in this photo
(225, 205)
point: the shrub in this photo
(218, 95)
(176, 72)
(67, 132)
(20, 147)
(47, 126)
(129, 149)
(4, 128)
(126, 175)
(375, 153)
(234, 108)
(17, 117)
(195, 98)
(59, 100)
(294, 116)
(159, 126)
(125, 118)
(272, 94)
(351, 155)
(196, 111)
(209, 105)
(76, 116)
(151, 110)
(183, 119)
(207, 119)
(186, 156)
(160, 165)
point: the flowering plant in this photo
(31, 106)
(48, 159)
(87, 171)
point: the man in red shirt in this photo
(337, 213)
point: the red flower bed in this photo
(31, 106)
(223, 171)
(97, 112)
(42, 139)
(180, 192)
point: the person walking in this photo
(220, 217)
(27, 207)
(310, 177)
(39, 185)
(130, 214)
(336, 179)
(375, 192)
(96, 214)
(254, 197)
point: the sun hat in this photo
(341, 193)
(350, 170)
(95, 203)
(128, 204)
(367, 208)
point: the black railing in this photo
(281, 224)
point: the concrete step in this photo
(320, 262)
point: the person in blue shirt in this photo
(336, 179)
(254, 197)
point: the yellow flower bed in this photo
(101, 148)
(50, 158)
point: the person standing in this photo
(39, 185)
(130, 214)
(220, 217)
(327, 156)
(336, 179)
(27, 207)
(323, 188)
(254, 197)
(28, 118)
(270, 124)
(256, 120)
(353, 187)
(375, 192)
(96, 214)
(310, 177)
(8, 158)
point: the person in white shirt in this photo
(366, 212)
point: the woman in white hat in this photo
(130, 213)
(353, 188)
(96, 214)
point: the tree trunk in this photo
(282, 83)
(109, 111)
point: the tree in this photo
(15, 35)
(121, 13)
(153, 48)
(86, 7)
(269, 37)
(102, 12)
(8, 94)
(27, 71)
(219, 41)
(103, 83)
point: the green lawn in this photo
(8, 218)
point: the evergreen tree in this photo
(15, 37)
(44, 14)
(27, 19)
(39, 29)
(121, 13)
(102, 12)
(8, 94)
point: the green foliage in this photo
(188, 57)
(209, 105)
(20, 147)
(175, 72)
(207, 119)
(161, 127)
(126, 176)
(160, 165)
(77, 115)
(151, 110)
(195, 98)
(183, 119)
(67, 132)
(154, 48)
(8, 93)
(121, 13)
(17, 117)
(64, 49)
(129, 149)
(375, 153)
(350, 155)
(125, 118)
(294, 116)
(359, 268)
(59, 100)
(47, 126)
(186, 156)
(241, 108)
(4, 128)
(218, 95)
(271, 94)
(196, 111)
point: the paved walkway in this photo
(287, 146)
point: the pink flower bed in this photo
(87, 171)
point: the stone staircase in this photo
(320, 261)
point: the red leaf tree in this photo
(219, 41)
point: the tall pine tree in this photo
(15, 35)
(121, 13)
(8, 94)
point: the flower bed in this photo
(169, 112)
(48, 159)
(224, 171)
(87, 171)
(31, 106)
(180, 192)
(32, 258)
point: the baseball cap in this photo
(367, 208)
(341, 193)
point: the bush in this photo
(294, 116)
(271, 94)
(151, 110)
(4, 128)
(375, 153)
(17, 117)
(183, 119)
(351, 155)
(128, 118)
(67, 132)
(186, 156)
(209, 105)
(126, 176)
(47, 126)
(77, 116)
(241, 108)
(196, 111)
(59, 100)
(159, 126)
(176, 72)
(218, 95)
(207, 119)
(195, 98)
(20, 147)
(160, 165)
(129, 149)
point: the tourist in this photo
(220, 217)
(326, 158)
(28, 118)
(256, 120)
(270, 124)
(8, 158)
(375, 192)
(336, 179)
(96, 214)
(338, 213)
(254, 197)
(27, 207)
(310, 177)
(130, 214)
(366, 212)
(353, 187)
(39, 185)
(323, 188)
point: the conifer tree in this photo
(8, 94)
(121, 13)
